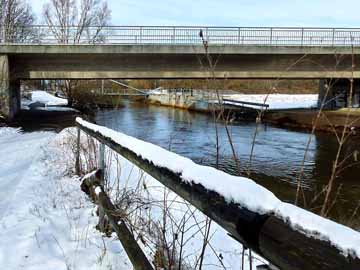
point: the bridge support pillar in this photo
(335, 93)
(10, 99)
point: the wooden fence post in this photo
(102, 221)
(77, 158)
(102, 161)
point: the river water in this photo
(277, 156)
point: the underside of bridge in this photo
(27, 62)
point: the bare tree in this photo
(16, 17)
(75, 22)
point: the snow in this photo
(239, 190)
(345, 239)
(52, 103)
(17, 152)
(57, 109)
(50, 109)
(50, 222)
(278, 101)
(157, 91)
(88, 175)
(97, 190)
(48, 99)
(47, 222)
(44, 98)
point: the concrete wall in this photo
(4, 86)
(178, 66)
(178, 62)
(10, 98)
(66, 49)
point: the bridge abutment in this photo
(336, 93)
(10, 98)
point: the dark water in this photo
(277, 158)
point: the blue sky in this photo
(321, 13)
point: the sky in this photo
(307, 13)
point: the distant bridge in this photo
(154, 52)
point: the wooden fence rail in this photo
(268, 235)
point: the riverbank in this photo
(49, 181)
(283, 110)
(328, 121)
(48, 223)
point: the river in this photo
(277, 156)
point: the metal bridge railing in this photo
(183, 35)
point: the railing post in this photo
(2, 34)
(333, 37)
(207, 35)
(302, 36)
(102, 222)
(239, 35)
(271, 34)
(38, 35)
(77, 158)
(140, 34)
(173, 38)
(102, 160)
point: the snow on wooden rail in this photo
(286, 235)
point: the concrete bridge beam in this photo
(10, 98)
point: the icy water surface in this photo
(277, 158)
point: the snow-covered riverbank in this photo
(41, 100)
(49, 223)
(46, 221)
(278, 101)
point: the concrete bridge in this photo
(177, 53)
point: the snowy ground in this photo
(279, 101)
(48, 222)
(17, 154)
(50, 102)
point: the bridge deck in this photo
(171, 49)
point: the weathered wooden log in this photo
(130, 245)
(294, 250)
(134, 252)
(270, 237)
